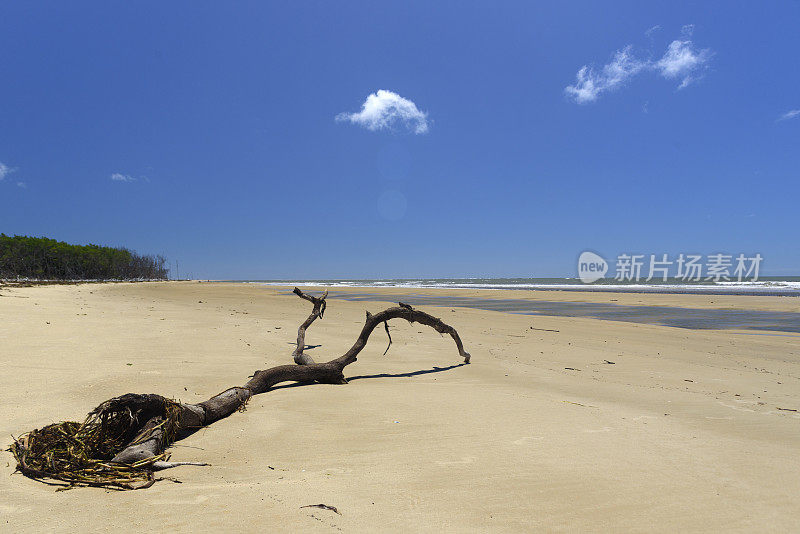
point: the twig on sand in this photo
(323, 506)
(579, 404)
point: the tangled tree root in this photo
(81, 454)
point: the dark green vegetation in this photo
(47, 259)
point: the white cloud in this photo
(383, 110)
(789, 115)
(682, 60)
(119, 177)
(23, 185)
(590, 84)
(5, 170)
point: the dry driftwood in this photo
(152, 422)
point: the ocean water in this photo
(779, 286)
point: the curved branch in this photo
(403, 311)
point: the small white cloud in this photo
(5, 170)
(23, 185)
(683, 60)
(687, 30)
(383, 110)
(119, 177)
(789, 115)
(590, 84)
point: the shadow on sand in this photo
(409, 374)
(381, 375)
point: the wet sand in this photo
(687, 429)
(680, 317)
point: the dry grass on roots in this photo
(79, 454)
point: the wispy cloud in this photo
(119, 177)
(23, 185)
(384, 110)
(789, 115)
(5, 170)
(682, 60)
(652, 30)
(591, 84)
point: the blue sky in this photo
(231, 137)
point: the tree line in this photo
(47, 259)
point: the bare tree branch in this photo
(300, 358)
(153, 427)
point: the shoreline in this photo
(778, 286)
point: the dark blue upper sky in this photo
(209, 133)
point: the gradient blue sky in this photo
(223, 117)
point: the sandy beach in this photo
(558, 424)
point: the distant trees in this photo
(48, 259)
